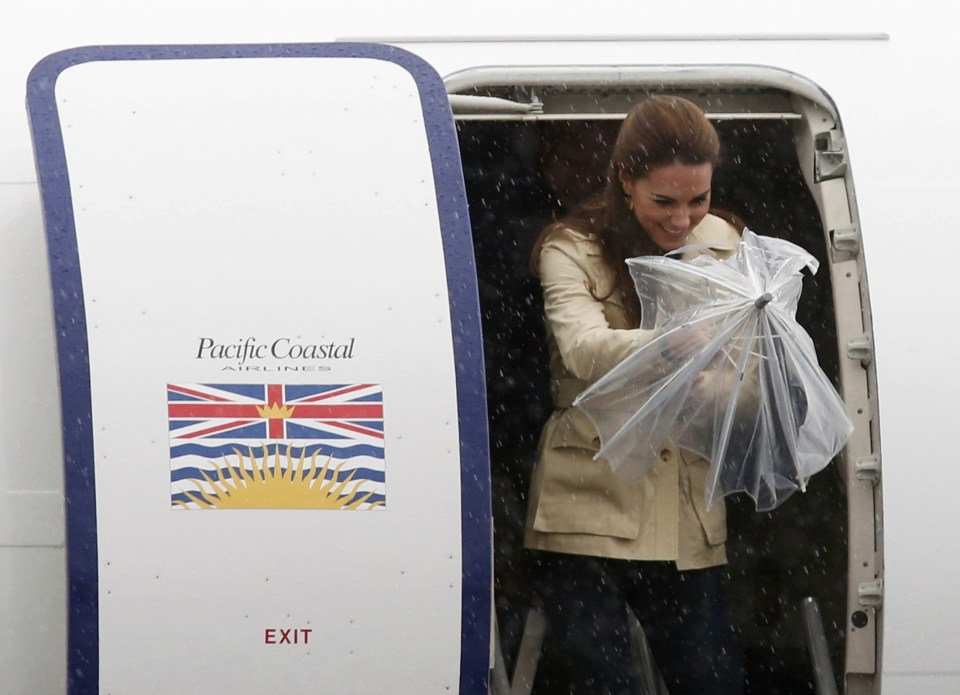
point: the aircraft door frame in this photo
(531, 94)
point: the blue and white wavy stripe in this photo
(244, 446)
(364, 465)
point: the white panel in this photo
(265, 199)
(31, 457)
(32, 518)
(32, 631)
(912, 282)
(916, 683)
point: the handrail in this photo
(663, 76)
(817, 646)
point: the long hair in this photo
(659, 131)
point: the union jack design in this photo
(276, 411)
(226, 429)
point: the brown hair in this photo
(659, 131)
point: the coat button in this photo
(666, 454)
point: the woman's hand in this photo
(682, 343)
(703, 386)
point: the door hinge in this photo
(868, 468)
(861, 348)
(871, 593)
(830, 156)
(845, 243)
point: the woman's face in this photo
(670, 201)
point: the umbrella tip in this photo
(763, 300)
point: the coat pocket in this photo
(572, 492)
(571, 428)
(713, 520)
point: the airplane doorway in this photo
(520, 174)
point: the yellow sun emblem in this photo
(256, 484)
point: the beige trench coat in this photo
(576, 504)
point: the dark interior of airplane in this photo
(520, 175)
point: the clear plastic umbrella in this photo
(730, 375)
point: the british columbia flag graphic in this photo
(276, 446)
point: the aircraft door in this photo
(270, 368)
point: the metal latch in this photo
(871, 593)
(846, 240)
(861, 348)
(868, 468)
(830, 156)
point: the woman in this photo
(652, 545)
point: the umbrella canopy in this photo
(729, 375)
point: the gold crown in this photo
(275, 411)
